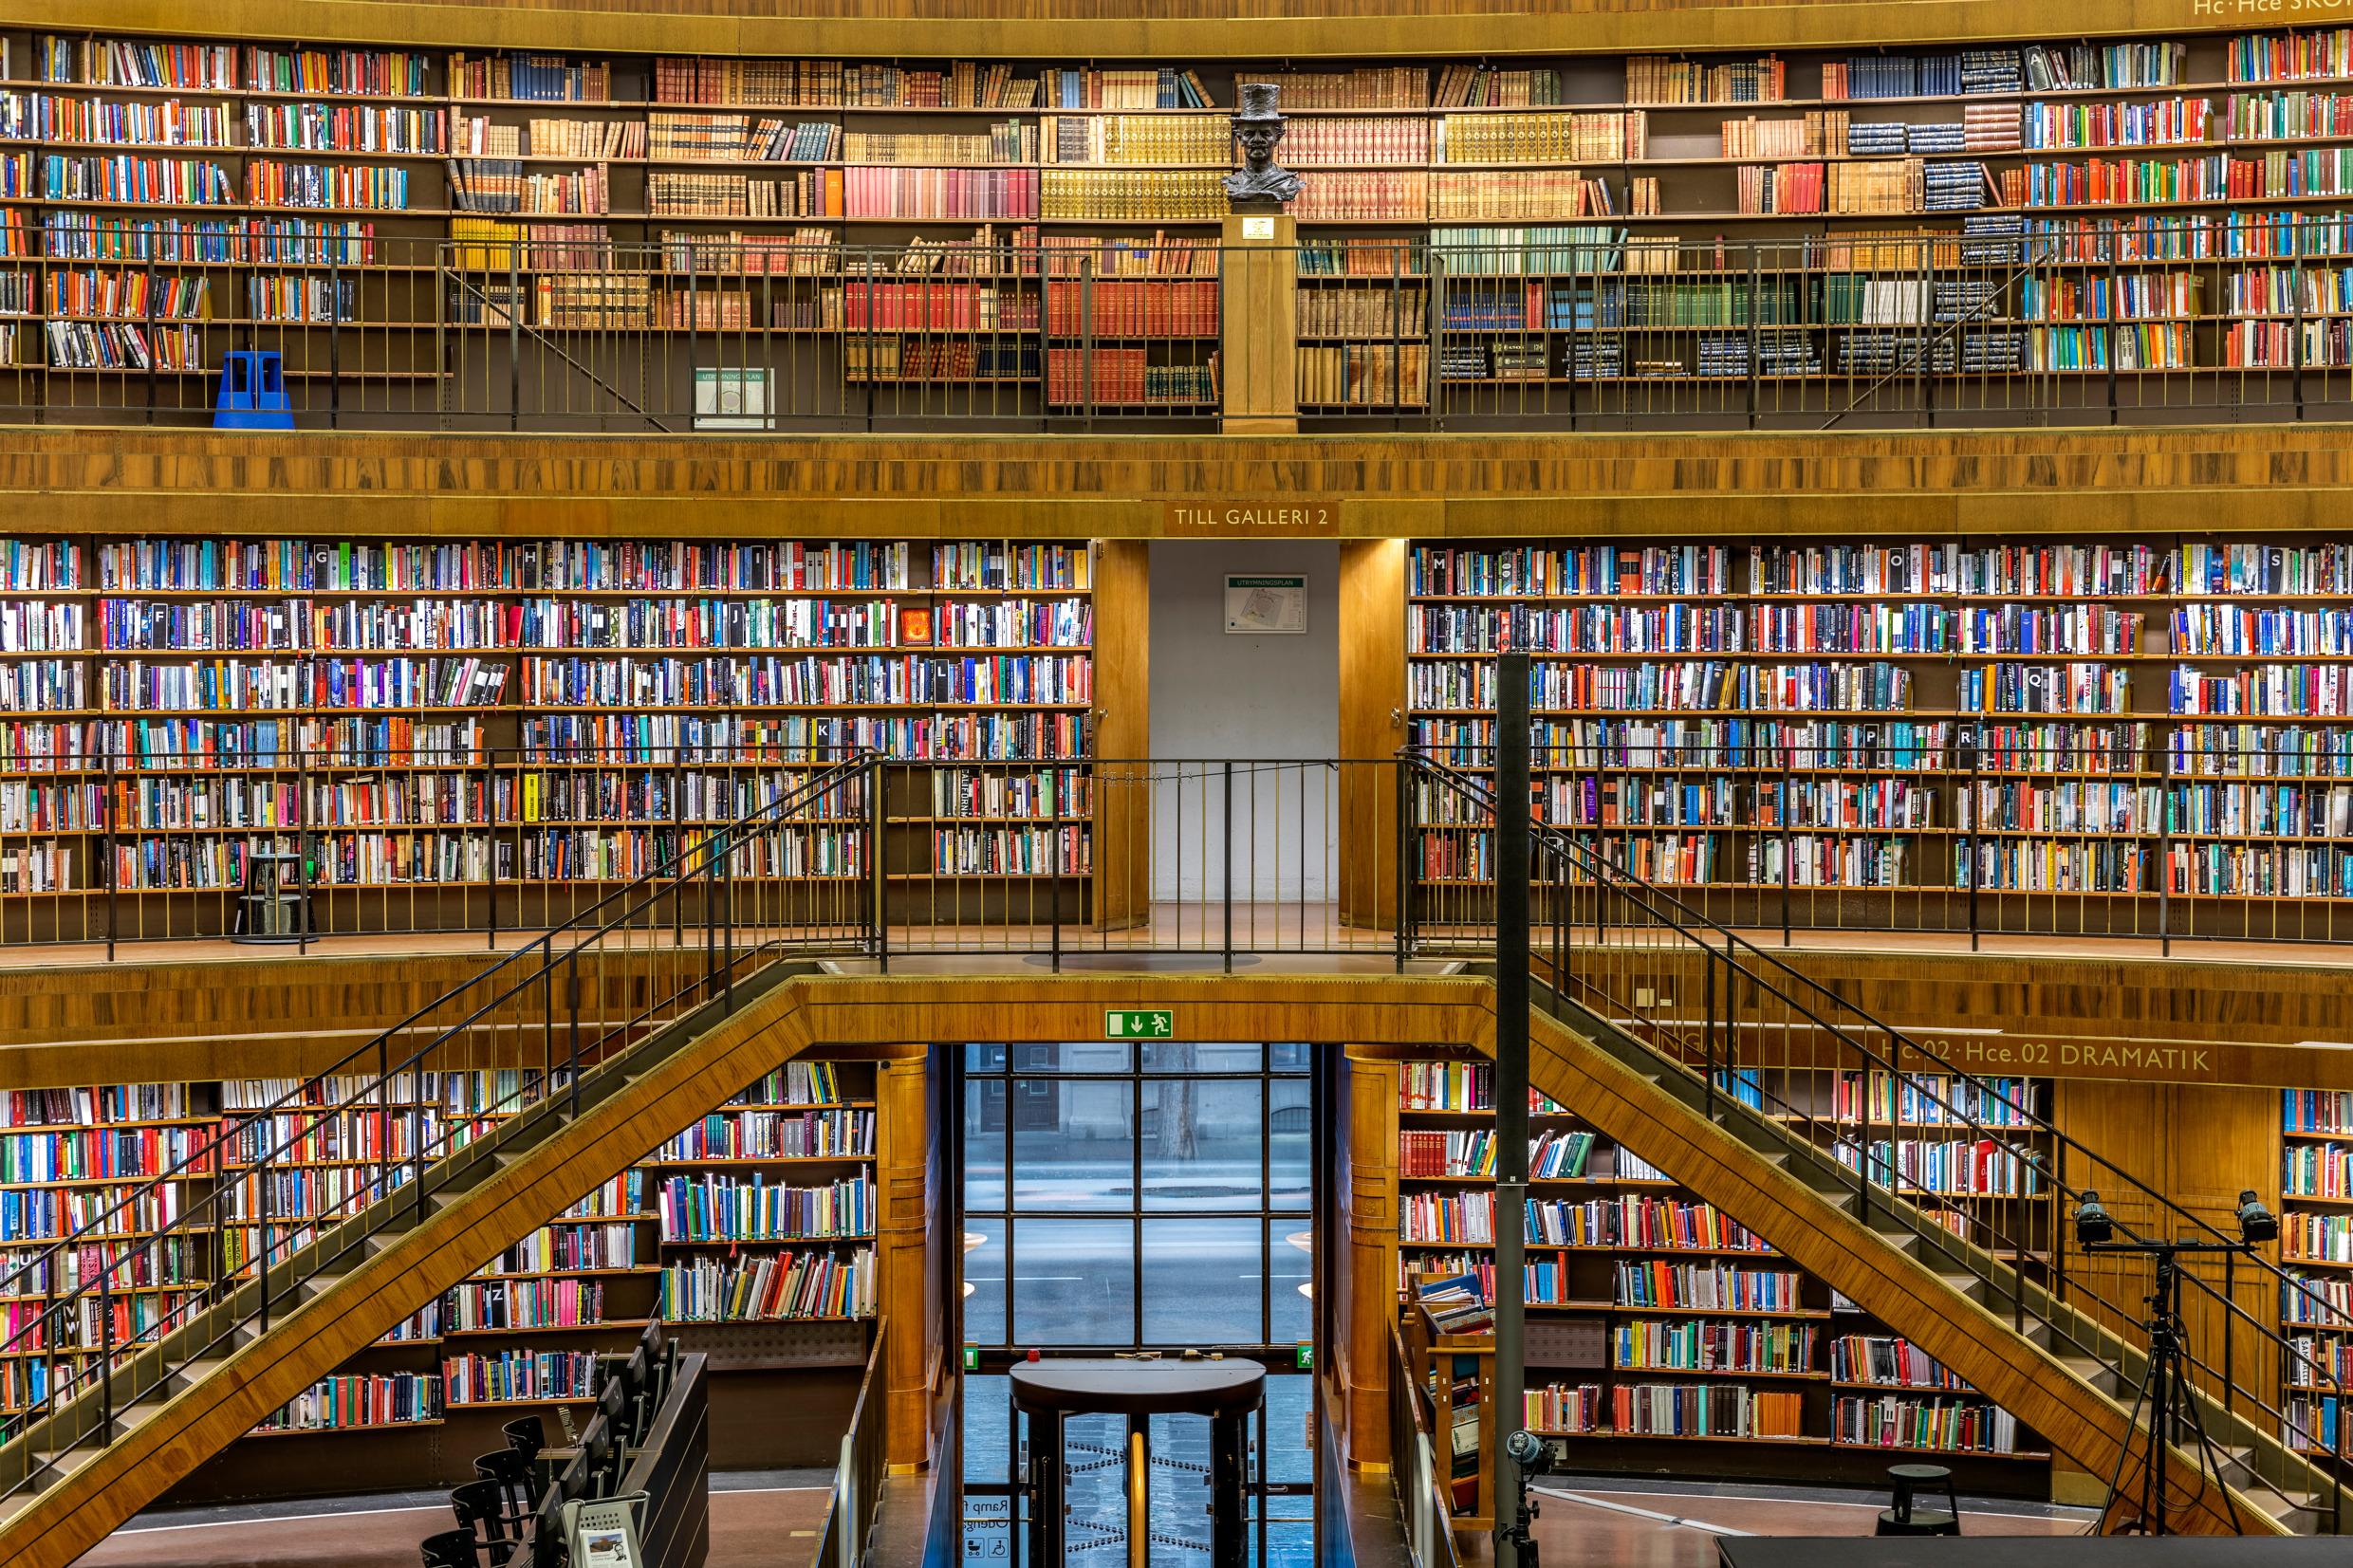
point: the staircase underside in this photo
(1878, 1270)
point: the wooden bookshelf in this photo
(512, 1338)
(1691, 1330)
(1804, 162)
(2090, 737)
(528, 723)
(2316, 1315)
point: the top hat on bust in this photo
(1260, 101)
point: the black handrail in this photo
(705, 865)
(1581, 865)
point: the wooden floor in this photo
(1579, 1528)
(1306, 932)
(1582, 1527)
(765, 1528)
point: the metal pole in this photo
(1512, 959)
(1140, 1493)
(878, 909)
(1402, 917)
(1229, 867)
(114, 879)
(1228, 1546)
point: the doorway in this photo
(1224, 691)
(1125, 1197)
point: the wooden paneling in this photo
(1259, 317)
(1372, 724)
(906, 1202)
(1925, 485)
(1369, 1284)
(1122, 840)
(2200, 1147)
(1103, 30)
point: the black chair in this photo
(1905, 1520)
(526, 1436)
(453, 1549)
(481, 1510)
(510, 1472)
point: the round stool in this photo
(1903, 1519)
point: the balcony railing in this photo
(544, 327)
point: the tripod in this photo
(1515, 1542)
(2167, 1393)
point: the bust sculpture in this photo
(1261, 185)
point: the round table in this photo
(1050, 1393)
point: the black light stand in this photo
(2165, 1387)
(1530, 1456)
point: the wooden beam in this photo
(1071, 28)
(1928, 484)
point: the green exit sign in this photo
(971, 1357)
(1306, 1357)
(1150, 1024)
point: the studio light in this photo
(2256, 1222)
(1532, 1454)
(2093, 1223)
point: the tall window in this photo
(1139, 1196)
(1135, 1195)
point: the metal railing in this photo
(544, 325)
(858, 1477)
(1418, 1456)
(2129, 829)
(2157, 827)
(1046, 857)
(302, 1174)
(1970, 1165)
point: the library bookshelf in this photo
(2114, 223)
(750, 1234)
(2316, 1249)
(462, 736)
(1654, 1320)
(2148, 736)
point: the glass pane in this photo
(984, 1059)
(1288, 1457)
(1074, 1283)
(1289, 1132)
(1096, 1449)
(1201, 1283)
(1291, 1262)
(987, 1461)
(1290, 1059)
(984, 1144)
(1201, 1144)
(1073, 1146)
(1185, 1055)
(983, 1282)
(1082, 1057)
(987, 1405)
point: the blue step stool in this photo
(252, 393)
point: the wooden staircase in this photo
(2061, 1376)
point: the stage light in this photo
(1532, 1454)
(2256, 1222)
(2093, 1223)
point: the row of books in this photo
(554, 566)
(1834, 627)
(1652, 1344)
(1551, 1155)
(1991, 571)
(1946, 1426)
(1433, 684)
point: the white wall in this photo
(1217, 698)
